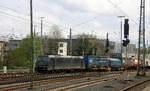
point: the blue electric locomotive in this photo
(59, 63)
(103, 63)
(76, 63)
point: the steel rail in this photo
(48, 81)
(80, 84)
(135, 85)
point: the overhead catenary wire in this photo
(18, 17)
(82, 23)
(21, 19)
(118, 8)
(87, 21)
(26, 19)
(95, 17)
(4, 7)
(27, 3)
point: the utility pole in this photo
(42, 52)
(121, 51)
(70, 41)
(32, 46)
(141, 43)
(107, 45)
(147, 48)
(146, 54)
(35, 30)
(83, 46)
(34, 43)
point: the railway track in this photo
(138, 86)
(59, 79)
(12, 75)
(87, 82)
(27, 77)
(13, 78)
(20, 78)
(35, 84)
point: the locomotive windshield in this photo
(115, 62)
(42, 58)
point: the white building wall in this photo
(62, 48)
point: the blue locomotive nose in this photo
(86, 61)
(41, 63)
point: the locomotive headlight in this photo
(135, 61)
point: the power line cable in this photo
(28, 4)
(9, 9)
(118, 8)
(85, 22)
(19, 18)
(22, 17)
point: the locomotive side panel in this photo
(68, 63)
(97, 63)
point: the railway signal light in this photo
(126, 42)
(126, 28)
(107, 43)
(107, 46)
(106, 51)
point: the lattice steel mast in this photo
(141, 43)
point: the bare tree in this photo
(53, 38)
(55, 32)
(86, 44)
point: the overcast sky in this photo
(83, 16)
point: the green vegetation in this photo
(148, 50)
(20, 57)
(1, 64)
